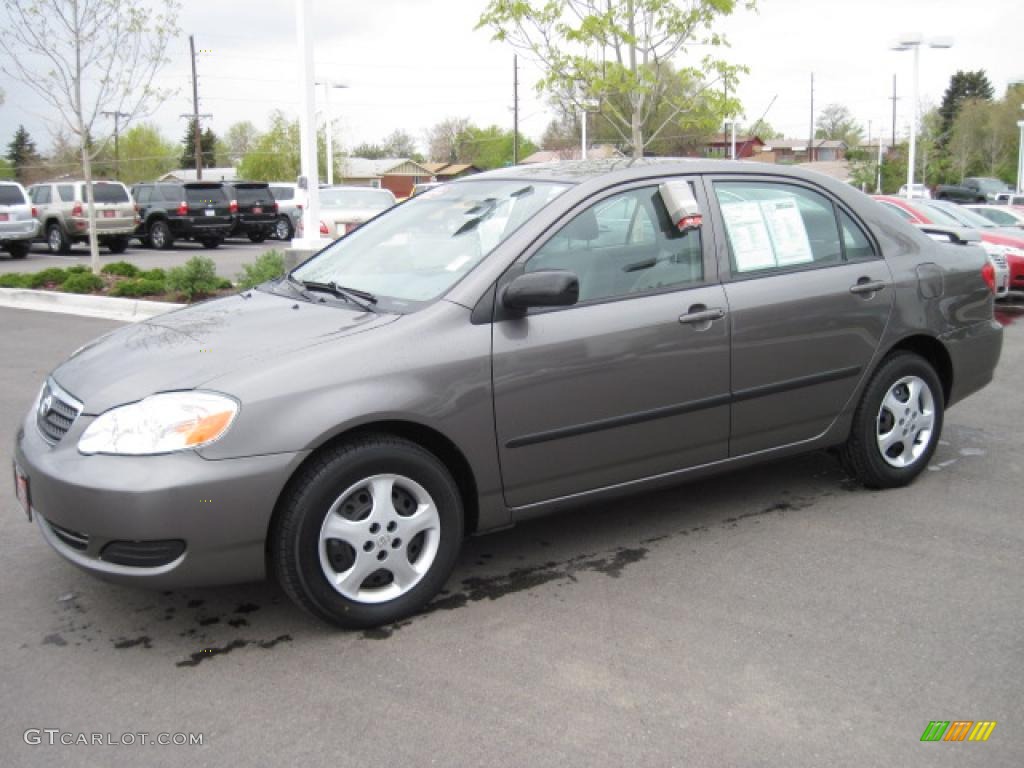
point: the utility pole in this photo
(515, 110)
(198, 143)
(893, 99)
(810, 139)
(725, 123)
(117, 130)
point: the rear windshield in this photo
(107, 193)
(10, 195)
(283, 193)
(250, 195)
(374, 199)
(212, 194)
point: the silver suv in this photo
(18, 227)
(62, 212)
(289, 208)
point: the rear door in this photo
(255, 203)
(208, 207)
(809, 298)
(623, 385)
(114, 207)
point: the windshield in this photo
(991, 185)
(212, 194)
(963, 217)
(418, 250)
(375, 199)
(253, 195)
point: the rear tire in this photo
(257, 237)
(368, 532)
(897, 425)
(160, 235)
(283, 228)
(19, 250)
(56, 240)
(211, 242)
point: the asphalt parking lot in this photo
(229, 257)
(779, 617)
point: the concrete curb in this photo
(106, 307)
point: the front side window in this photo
(623, 245)
(772, 226)
(417, 251)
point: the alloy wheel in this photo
(906, 421)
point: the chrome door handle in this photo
(868, 286)
(701, 315)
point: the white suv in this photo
(18, 226)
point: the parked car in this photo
(972, 190)
(919, 191)
(471, 359)
(418, 189)
(290, 201)
(62, 211)
(255, 209)
(1005, 216)
(342, 209)
(175, 210)
(1005, 247)
(18, 225)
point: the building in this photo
(746, 147)
(597, 152)
(450, 171)
(209, 174)
(398, 174)
(795, 151)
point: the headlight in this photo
(173, 421)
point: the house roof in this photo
(599, 152)
(209, 174)
(364, 168)
(802, 144)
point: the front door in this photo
(632, 381)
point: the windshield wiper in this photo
(297, 286)
(363, 299)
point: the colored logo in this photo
(958, 730)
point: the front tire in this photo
(897, 425)
(283, 228)
(368, 532)
(211, 242)
(257, 237)
(56, 240)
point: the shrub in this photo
(141, 286)
(82, 282)
(196, 279)
(15, 280)
(153, 274)
(267, 267)
(78, 269)
(121, 268)
(53, 275)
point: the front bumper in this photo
(220, 509)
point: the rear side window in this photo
(253, 195)
(903, 214)
(107, 193)
(283, 193)
(66, 192)
(170, 193)
(206, 195)
(41, 194)
(11, 195)
(771, 226)
(143, 194)
(856, 245)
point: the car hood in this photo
(184, 349)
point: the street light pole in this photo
(1020, 155)
(906, 43)
(330, 85)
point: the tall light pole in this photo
(913, 42)
(1011, 93)
(330, 85)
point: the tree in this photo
(442, 139)
(618, 55)
(370, 151)
(401, 144)
(963, 87)
(764, 131)
(837, 123)
(146, 154)
(207, 145)
(490, 147)
(238, 140)
(86, 57)
(22, 154)
(275, 154)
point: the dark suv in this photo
(255, 208)
(171, 210)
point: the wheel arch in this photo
(427, 438)
(932, 350)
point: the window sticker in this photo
(788, 233)
(748, 233)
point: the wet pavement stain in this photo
(247, 608)
(236, 623)
(144, 640)
(54, 639)
(208, 620)
(206, 653)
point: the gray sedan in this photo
(498, 348)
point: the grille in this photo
(56, 413)
(73, 539)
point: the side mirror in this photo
(548, 288)
(681, 205)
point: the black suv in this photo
(255, 208)
(194, 210)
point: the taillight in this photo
(276, 209)
(323, 229)
(183, 209)
(988, 274)
(35, 212)
(233, 208)
(299, 206)
(76, 210)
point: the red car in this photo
(996, 242)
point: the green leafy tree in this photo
(984, 139)
(146, 154)
(764, 131)
(401, 144)
(371, 151)
(22, 154)
(6, 170)
(83, 58)
(443, 140)
(837, 123)
(617, 54)
(238, 140)
(207, 145)
(490, 147)
(963, 87)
